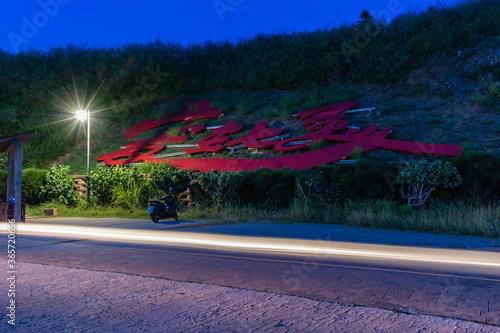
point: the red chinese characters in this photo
(325, 123)
(322, 124)
(192, 111)
(257, 134)
(212, 143)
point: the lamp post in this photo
(85, 115)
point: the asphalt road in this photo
(414, 294)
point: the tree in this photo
(365, 16)
(418, 180)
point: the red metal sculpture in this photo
(212, 143)
(323, 123)
(192, 111)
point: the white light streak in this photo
(296, 247)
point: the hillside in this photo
(433, 76)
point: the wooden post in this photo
(18, 168)
(14, 177)
(13, 146)
(10, 175)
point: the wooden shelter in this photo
(13, 145)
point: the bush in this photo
(481, 179)
(32, 184)
(59, 186)
(363, 180)
(419, 180)
(128, 188)
(123, 186)
(32, 181)
(222, 186)
(3, 184)
(314, 189)
(271, 188)
(133, 191)
(103, 182)
(164, 176)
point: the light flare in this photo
(81, 115)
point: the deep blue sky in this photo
(30, 24)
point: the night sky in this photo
(46, 23)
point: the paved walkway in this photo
(58, 299)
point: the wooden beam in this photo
(6, 143)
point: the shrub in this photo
(314, 189)
(3, 184)
(31, 184)
(481, 179)
(309, 188)
(164, 176)
(32, 181)
(364, 179)
(419, 180)
(123, 186)
(127, 187)
(133, 191)
(59, 186)
(275, 188)
(103, 182)
(221, 185)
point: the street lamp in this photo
(85, 115)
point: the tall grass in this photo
(463, 220)
(86, 211)
(473, 220)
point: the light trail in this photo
(318, 249)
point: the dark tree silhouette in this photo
(365, 15)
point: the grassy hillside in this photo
(436, 70)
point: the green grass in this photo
(490, 98)
(421, 88)
(86, 211)
(313, 95)
(474, 220)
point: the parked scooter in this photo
(162, 210)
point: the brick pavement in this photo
(60, 299)
(428, 294)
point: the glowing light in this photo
(264, 245)
(81, 115)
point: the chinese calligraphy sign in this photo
(323, 124)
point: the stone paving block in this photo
(81, 300)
